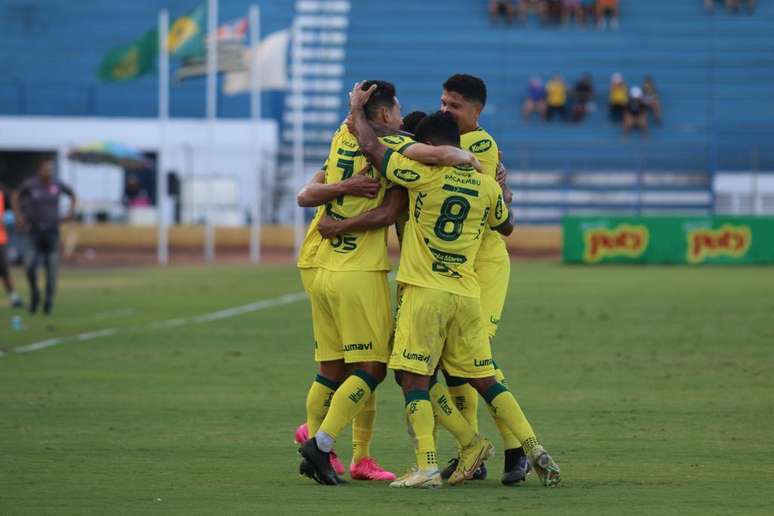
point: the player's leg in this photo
(359, 304)
(51, 263)
(5, 274)
(31, 260)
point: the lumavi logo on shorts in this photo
(416, 356)
(481, 146)
(359, 347)
(407, 175)
(482, 363)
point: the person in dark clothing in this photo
(635, 116)
(584, 95)
(36, 204)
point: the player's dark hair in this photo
(470, 87)
(383, 96)
(440, 128)
(411, 120)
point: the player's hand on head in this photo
(358, 97)
(328, 227)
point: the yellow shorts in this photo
(307, 278)
(351, 316)
(493, 277)
(436, 327)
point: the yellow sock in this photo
(510, 441)
(448, 416)
(349, 399)
(419, 415)
(363, 430)
(465, 399)
(507, 408)
(318, 400)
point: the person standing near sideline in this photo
(5, 271)
(36, 205)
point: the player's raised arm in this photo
(316, 192)
(444, 155)
(369, 144)
(395, 202)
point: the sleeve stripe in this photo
(409, 144)
(385, 161)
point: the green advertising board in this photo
(688, 240)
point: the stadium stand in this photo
(714, 72)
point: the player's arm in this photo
(369, 144)
(444, 155)
(395, 202)
(499, 213)
(502, 179)
(16, 197)
(316, 192)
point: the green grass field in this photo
(652, 387)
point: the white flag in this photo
(271, 58)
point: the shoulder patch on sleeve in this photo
(481, 146)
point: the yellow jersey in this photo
(450, 208)
(484, 147)
(359, 250)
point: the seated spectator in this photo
(556, 98)
(635, 115)
(552, 12)
(650, 96)
(584, 95)
(731, 5)
(617, 98)
(503, 8)
(607, 10)
(411, 121)
(535, 6)
(535, 101)
(575, 9)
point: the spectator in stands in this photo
(556, 98)
(635, 115)
(134, 194)
(607, 13)
(731, 5)
(504, 8)
(575, 9)
(534, 6)
(552, 12)
(535, 101)
(650, 96)
(584, 95)
(617, 98)
(411, 121)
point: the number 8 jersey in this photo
(362, 250)
(449, 210)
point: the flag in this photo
(130, 61)
(231, 37)
(271, 58)
(186, 35)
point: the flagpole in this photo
(212, 84)
(161, 183)
(257, 140)
(298, 136)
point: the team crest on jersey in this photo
(393, 140)
(407, 175)
(481, 146)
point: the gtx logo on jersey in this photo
(359, 347)
(727, 241)
(407, 175)
(419, 357)
(481, 146)
(623, 240)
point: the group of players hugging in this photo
(440, 180)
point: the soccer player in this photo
(5, 273)
(36, 206)
(439, 321)
(350, 300)
(464, 97)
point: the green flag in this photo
(186, 35)
(130, 61)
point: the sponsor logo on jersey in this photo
(499, 207)
(443, 256)
(623, 240)
(407, 175)
(419, 357)
(393, 140)
(481, 146)
(727, 241)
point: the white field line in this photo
(160, 325)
